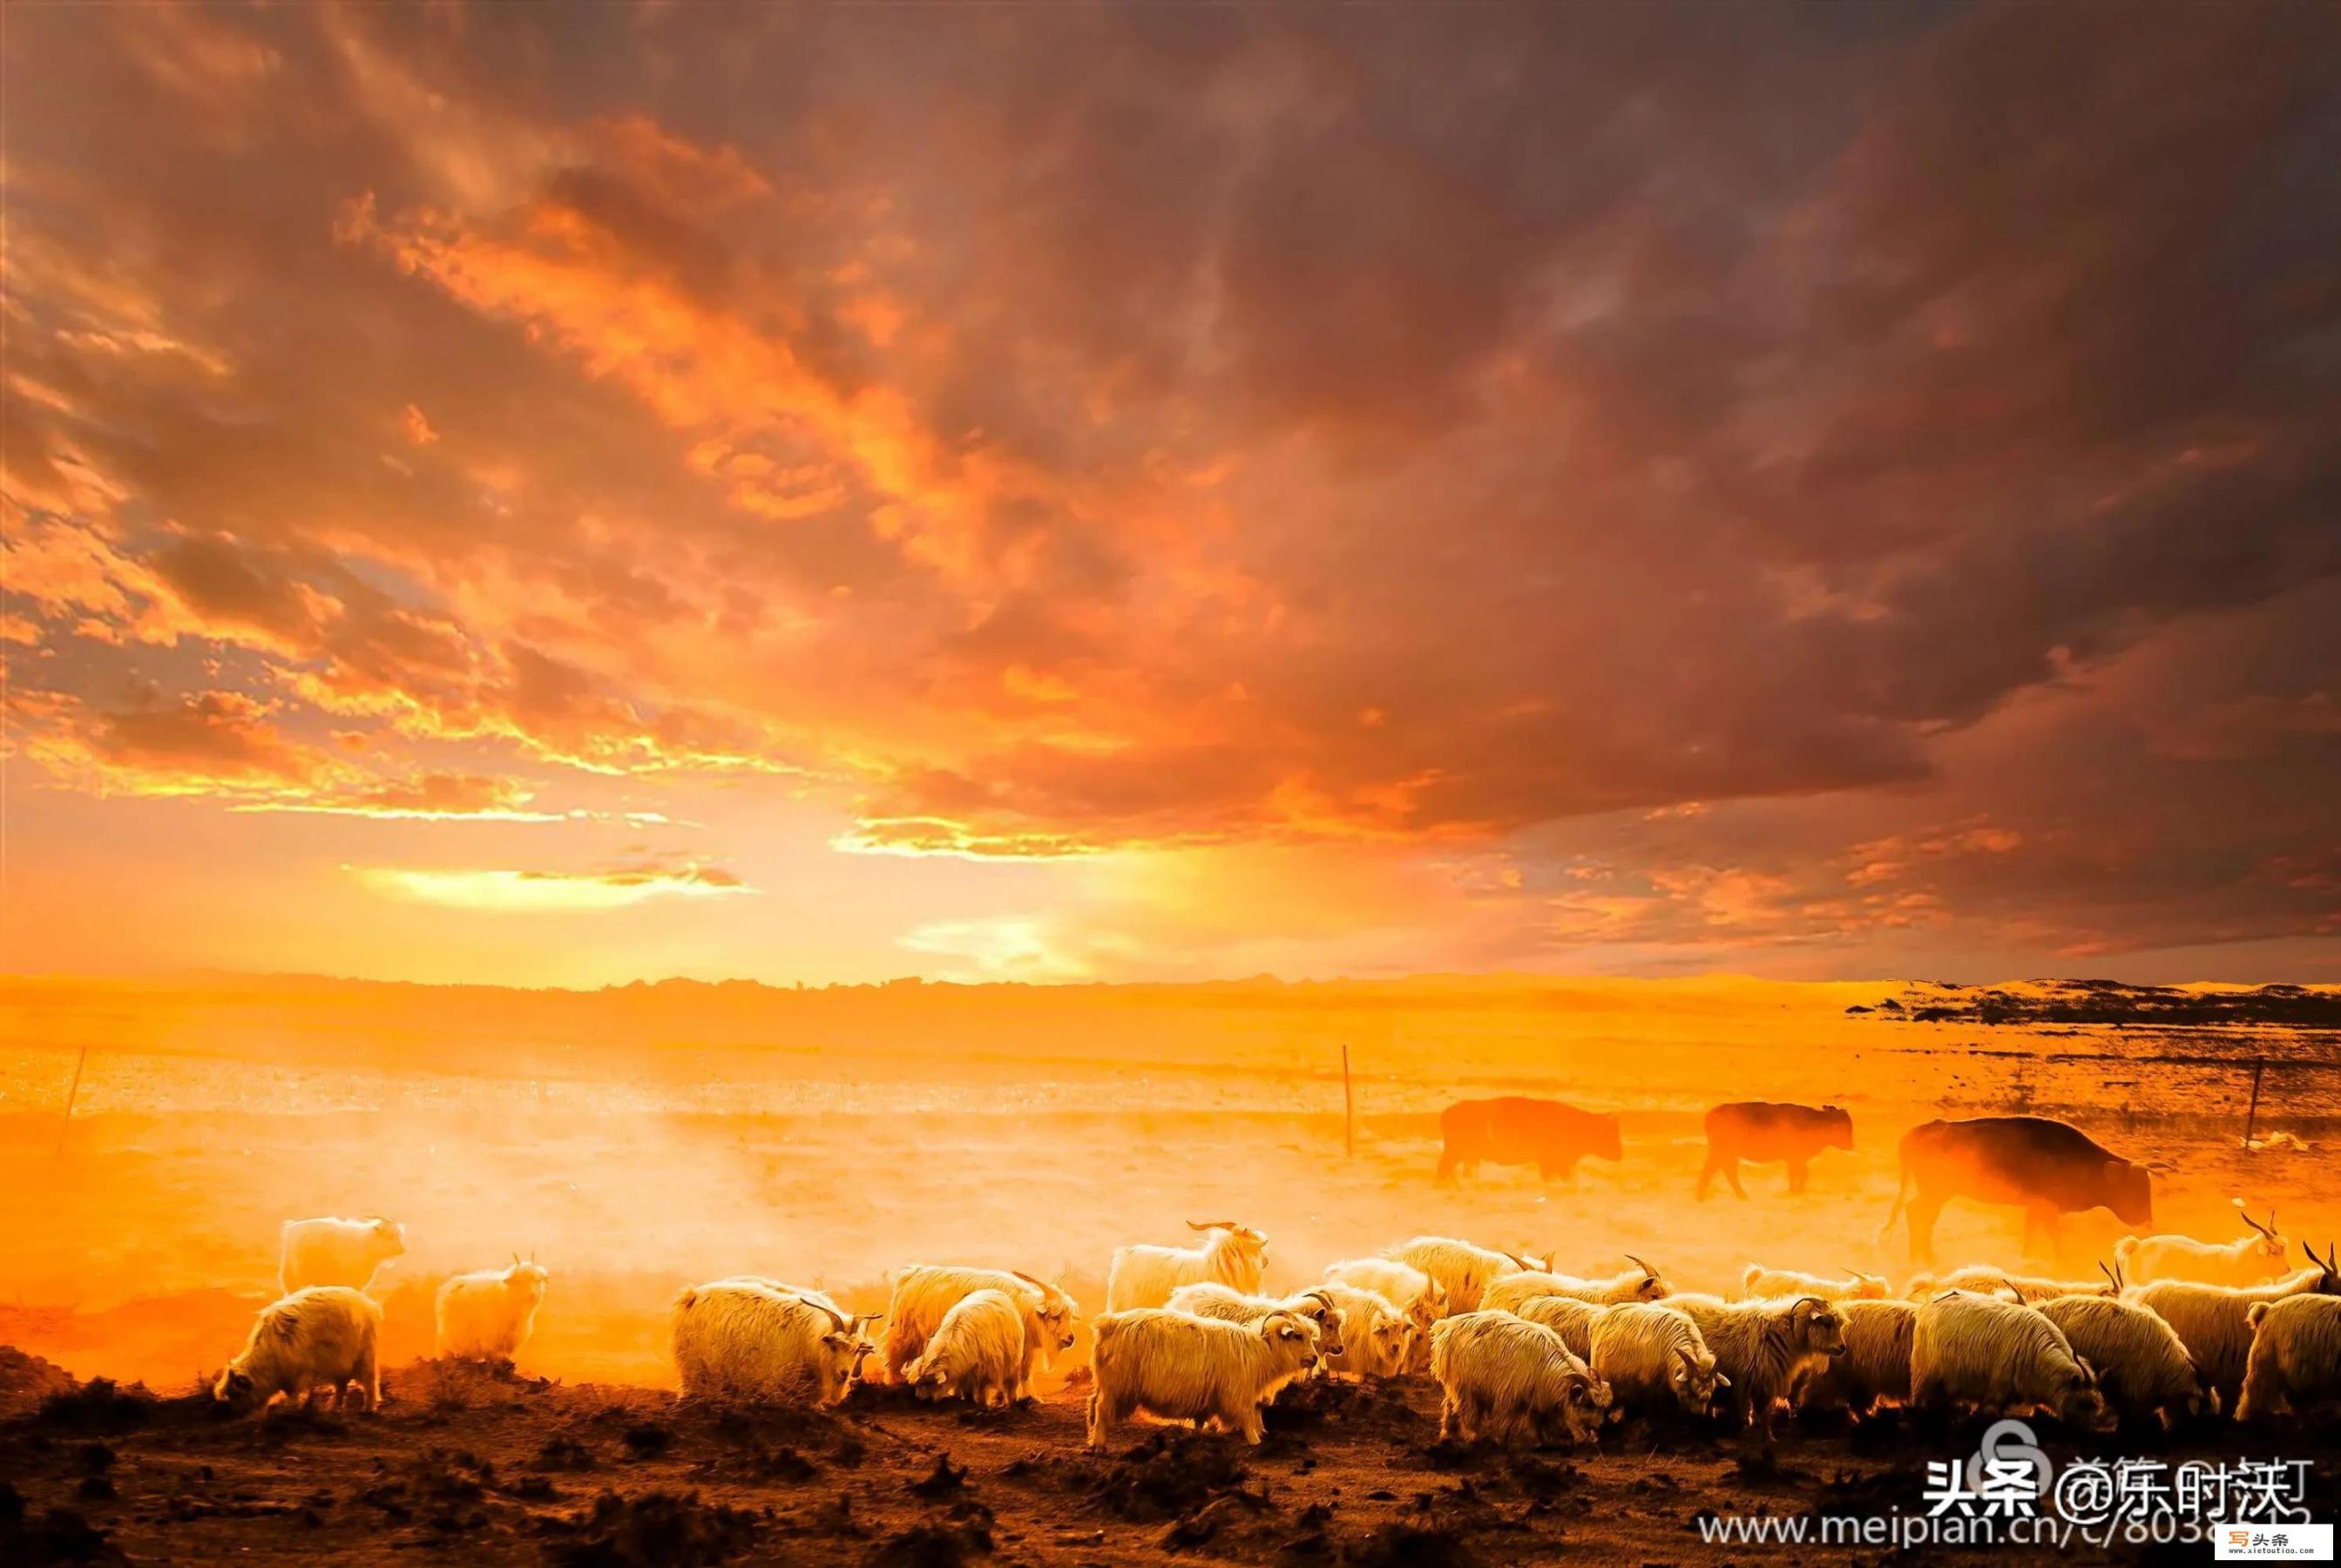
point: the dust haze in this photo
(641, 1138)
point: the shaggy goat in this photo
(324, 1337)
(1189, 1368)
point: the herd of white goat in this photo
(2178, 1329)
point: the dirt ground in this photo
(468, 1466)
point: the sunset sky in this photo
(564, 495)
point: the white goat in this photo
(1376, 1337)
(976, 1353)
(1461, 1269)
(489, 1315)
(1768, 1349)
(1423, 1299)
(2142, 1368)
(1315, 1304)
(324, 1337)
(1876, 1364)
(1505, 1378)
(738, 1340)
(337, 1252)
(1144, 1275)
(923, 1293)
(1653, 1359)
(2295, 1360)
(1993, 1354)
(1189, 1368)
(1639, 1283)
(2253, 1259)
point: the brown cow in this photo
(1763, 1132)
(1514, 1130)
(2045, 1166)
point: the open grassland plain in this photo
(640, 1139)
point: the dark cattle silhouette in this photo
(2046, 1167)
(1514, 1130)
(1764, 1132)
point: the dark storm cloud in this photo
(1159, 425)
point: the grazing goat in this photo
(2214, 1321)
(976, 1353)
(324, 1337)
(738, 1340)
(2142, 1369)
(1639, 1283)
(923, 1293)
(2253, 1259)
(1144, 1275)
(1315, 1304)
(489, 1315)
(1876, 1366)
(2295, 1358)
(1761, 1284)
(337, 1252)
(1993, 1354)
(1189, 1368)
(1653, 1359)
(1567, 1316)
(1507, 1379)
(1463, 1270)
(1768, 1349)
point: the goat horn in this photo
(1213, 1224)
(1026, 1278)
(1645, 1267)
(1517, 1261)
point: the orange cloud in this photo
(1700, 545)
(551, 892)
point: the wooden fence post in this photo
(2251, 1117)
(72, 1094)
